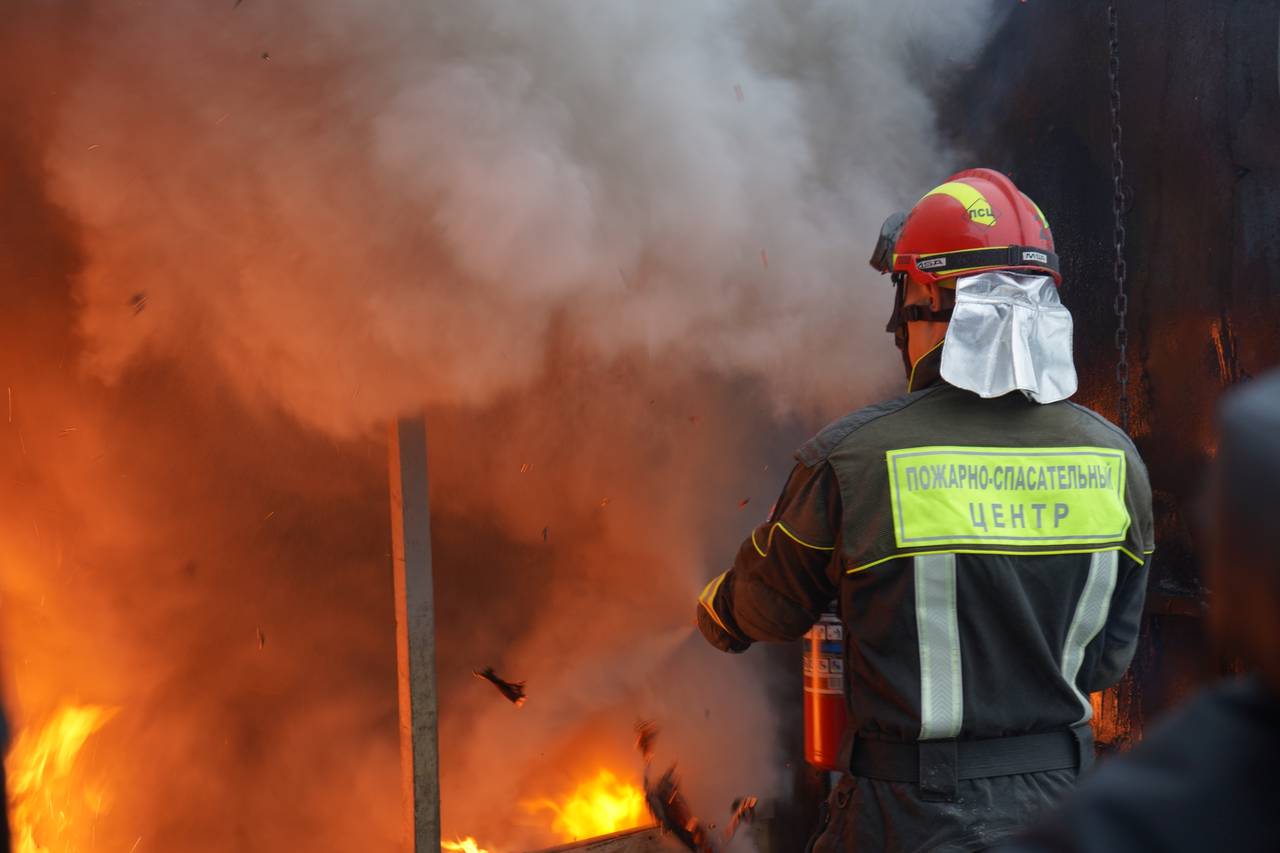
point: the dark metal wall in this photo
(1200, 94)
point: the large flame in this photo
(53, 811)
(597, 806)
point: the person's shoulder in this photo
(1239, 717)
(1197, 781)
(1206, 752)
(1100, 429)
(817, 449)
(1101, 432)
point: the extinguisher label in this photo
(823, 658)
(832, 685)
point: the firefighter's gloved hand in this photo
(713, 620)
(717, 636)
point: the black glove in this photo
(719, 637)
(715, 624)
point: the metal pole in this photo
(415, 635)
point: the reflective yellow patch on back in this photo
(1032, 496)
(975, 202)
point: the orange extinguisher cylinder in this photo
(825, 713)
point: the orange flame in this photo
(44, 797)
(464, 845)
(596, 807)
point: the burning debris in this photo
(669, 807)
(512, 690)
(666, 803)
(744, 811)
(646, 737)
(671, 810)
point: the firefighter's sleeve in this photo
(1120, 635)
(784, 574)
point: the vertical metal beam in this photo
(415, 635)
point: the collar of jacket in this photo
(927, 370)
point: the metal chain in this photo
(1118, 207)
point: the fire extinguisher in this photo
(825, 713)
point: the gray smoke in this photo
(620, 247)
(397, 203)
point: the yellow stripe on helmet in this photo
(976, 203)
(1039, 212)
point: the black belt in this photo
(936, 766)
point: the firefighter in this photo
(986, 541)
(1205, 778)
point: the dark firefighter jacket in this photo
(988, 560)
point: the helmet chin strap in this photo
(926, 314)
(897, 326)
(904, 314)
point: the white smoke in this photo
(396, 203)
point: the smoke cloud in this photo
(616, 250)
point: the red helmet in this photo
(978, 220)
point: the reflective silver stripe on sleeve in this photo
(1089, 619)
(938, 627)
